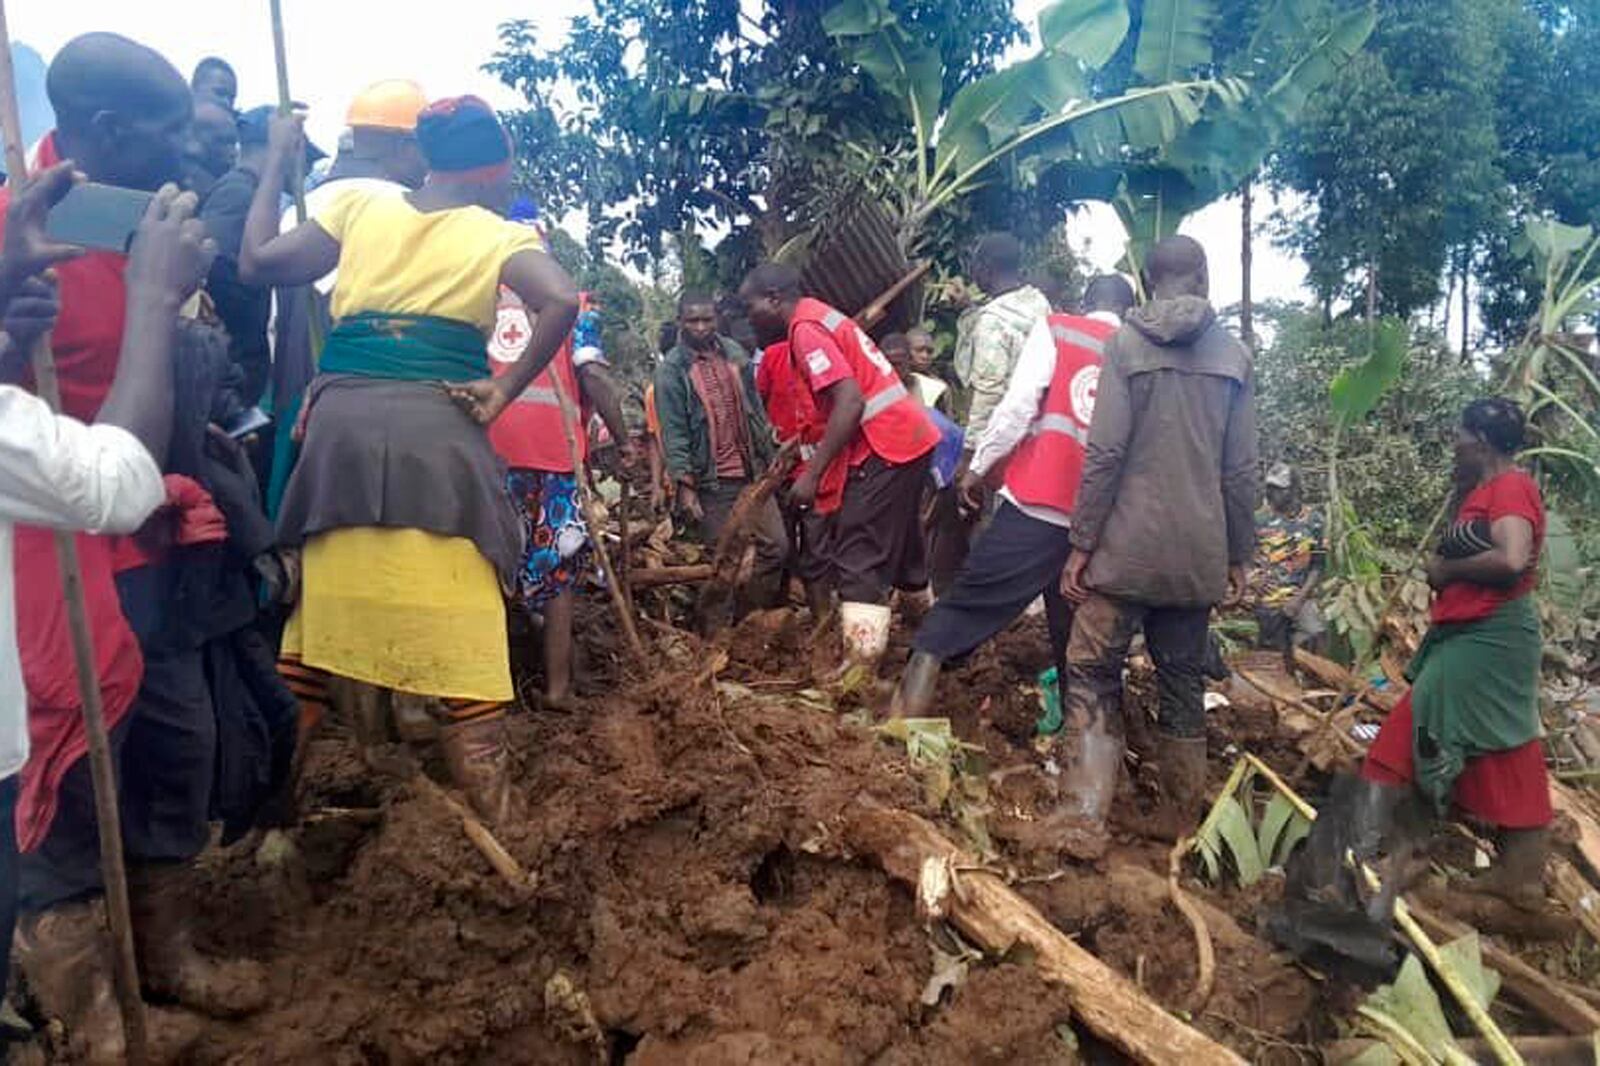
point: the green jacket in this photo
(685, 429)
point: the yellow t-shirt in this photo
(394, 259)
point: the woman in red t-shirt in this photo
(1467, 732)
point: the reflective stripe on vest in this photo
(833, 320)
(1053, 423)
(883, 401)
(1068, 335)
(541, 395)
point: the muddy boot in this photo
(914, 697)
(1182, 762)
(914, 606)
(1329, 914)
(1091, 760)
(1517, 875)
(866, 634)
(65, 953)
(169, 965)
(480, 764)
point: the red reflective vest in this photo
(528, 435)
(1045, 469)
(894, 424)
(793, 414)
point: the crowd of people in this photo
(353, 447)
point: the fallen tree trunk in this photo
(994, 917)
(647, 577)
(1333, 675)
(1525, 983)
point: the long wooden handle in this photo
(113, 870)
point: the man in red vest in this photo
(1040, 426)
(882, 431)
(532, 440)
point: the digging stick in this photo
(627, 543)
(113, 871)
(570, 428)
(297, 176)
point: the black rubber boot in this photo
(1328, 913)
(914, 697)
(1517, 875)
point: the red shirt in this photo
(1512, 494)
(87, 343)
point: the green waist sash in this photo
(397, 347)
(1475, 690)
(405, 348)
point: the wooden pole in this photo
(297, 174)
(571, 426)
(113, 870)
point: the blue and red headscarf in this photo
(462, 139)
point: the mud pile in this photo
(694, 903)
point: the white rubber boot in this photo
(866, 631)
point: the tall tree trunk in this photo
(1246, 257)
(1466, 303)
(1372, 291)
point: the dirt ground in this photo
(693, 903)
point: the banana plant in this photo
(1297, 48)
(1039, 110)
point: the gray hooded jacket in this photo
(1168, 496)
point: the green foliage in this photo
(1395, 462)
(1408, 1016)
(630, 312)
(1462, 119)
(660, 118)
(1255, 831)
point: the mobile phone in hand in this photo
(102, 217)
(250, 420)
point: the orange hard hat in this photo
(388, 105)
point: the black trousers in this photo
(877, 544)
(1015, 559)
(8, 875)
(166, 753)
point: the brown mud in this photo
(693, 901)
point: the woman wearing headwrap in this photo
(1466, 735)
(397, 499)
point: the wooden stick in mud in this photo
(993, 916)
(1206, 969)
(627, 543)
(102, 770)
(571, 426)
(491, 848)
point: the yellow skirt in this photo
(403, 609)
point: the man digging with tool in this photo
(884, 432)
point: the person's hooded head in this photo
(467, 148)
(1179, 310)
(383, 130)
(122, 111)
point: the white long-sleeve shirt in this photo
(1014, 415)
(57, 472)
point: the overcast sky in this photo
(337, 46)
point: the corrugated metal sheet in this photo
(857, 259)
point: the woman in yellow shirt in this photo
(408, 535)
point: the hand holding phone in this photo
(103, 217)
(29, 248)
(171, 253)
